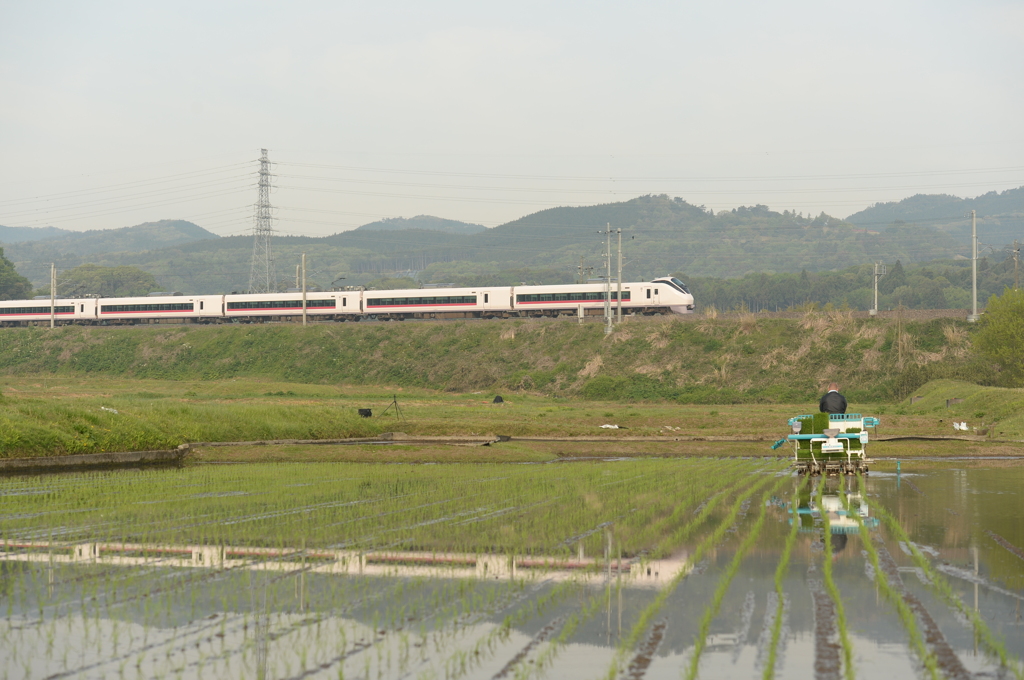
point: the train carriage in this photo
(37, 311)
(158, 308)
(437, 303)
(250, 307)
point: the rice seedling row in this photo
(780, 596)
(987, 640)
(712, 609)
(833, 591)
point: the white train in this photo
(661, 296)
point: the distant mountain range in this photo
(22, 234)
(660, 235)
(146, 236)
(425, 222)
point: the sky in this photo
(117, 113)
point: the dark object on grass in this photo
(498, 400)
(365, 413)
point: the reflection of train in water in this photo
(660, 296)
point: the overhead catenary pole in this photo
(608, 280)
(303, 289)
(618, 280)
(53, 294)
(879, 273)
(974, 267)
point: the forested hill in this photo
(146, 236)
(1000, 214)
(33, 257)
(662, 234)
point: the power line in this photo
(125, 185)
(922, 173)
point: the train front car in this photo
(674, 294)
(660, 296)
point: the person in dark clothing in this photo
(832, 402)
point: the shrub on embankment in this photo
(690, 360)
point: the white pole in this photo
(619, 280)
(974, 267)
(608, 280)
(303, 289)
(874, 310)
(53, 294)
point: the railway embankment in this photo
(744, 358)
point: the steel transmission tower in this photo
(262, 278)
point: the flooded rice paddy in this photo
(618, 569)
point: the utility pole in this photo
(879, 273)
(618, 280)
(297, 267)
(583, 272)
(53, 294)
(262, 278)
(974, 267)
(608, 280)
(303, 289)
(1016, 262)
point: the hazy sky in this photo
(115, 113)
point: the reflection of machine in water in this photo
(829, 443)
(841, 520)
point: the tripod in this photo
(398, 410)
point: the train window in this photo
(280, 304)
(83, 308)
(570, 297)
(405, 302)
(486, 297)
(158, 307)
(200, 304)
(344, 302)
(70, 309)
(648, 293)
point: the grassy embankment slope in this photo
(695, 360)
(171, 385)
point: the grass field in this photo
(53, 415)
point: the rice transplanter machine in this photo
(829, 443)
